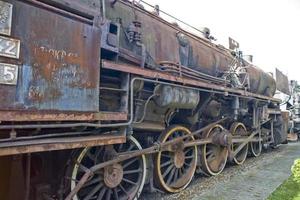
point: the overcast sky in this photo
(267, 29)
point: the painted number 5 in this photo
(9, 73)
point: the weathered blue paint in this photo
(59, 65)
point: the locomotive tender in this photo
(101, 97)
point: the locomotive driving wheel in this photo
(255, 148)
(238, 129)
(120, 181)
(175, 167)
(213, 156)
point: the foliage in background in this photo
(289, 190)
(296, 171)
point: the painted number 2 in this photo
(8, 48)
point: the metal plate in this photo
(8, 74)
(5, 18)
(233, 45)
(282, 82)
(9, 47)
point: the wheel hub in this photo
(113, 175)
(179, 159)
(224, 138)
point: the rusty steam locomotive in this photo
(102, 97)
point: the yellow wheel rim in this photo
(182, 181)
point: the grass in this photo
(288, 190)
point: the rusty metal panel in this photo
(282, 82)
(59, 144)
(86, 8)
(5, 18)
(58, 62)
(23, 116)
(168, 42)
(260, 81)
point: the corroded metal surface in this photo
(60, 116)
(5, 18)
(164, 41)
(260, 81)
(59, 61)
(178, 47)
(60, 144)
(160, 75)
(174, 97)
(282, 82)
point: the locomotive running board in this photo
(21, 147)
(186, 81)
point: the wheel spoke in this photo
(168, 171)
(92, 182)
(171, 175)
(92, 192)
(116, 196)
(129, 181)
(82, 168)
(123, 189)
(210, 151)
(180, 171)
(188, 150)
(187, 164)
(108, 194)
(166, 163)
(130, 162)
(163, 154)
(176, 174)
(188, 157)
(102, 193)
(210, 157)
(133, 171)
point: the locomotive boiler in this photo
(103, 98)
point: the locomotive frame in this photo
(66, 113)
